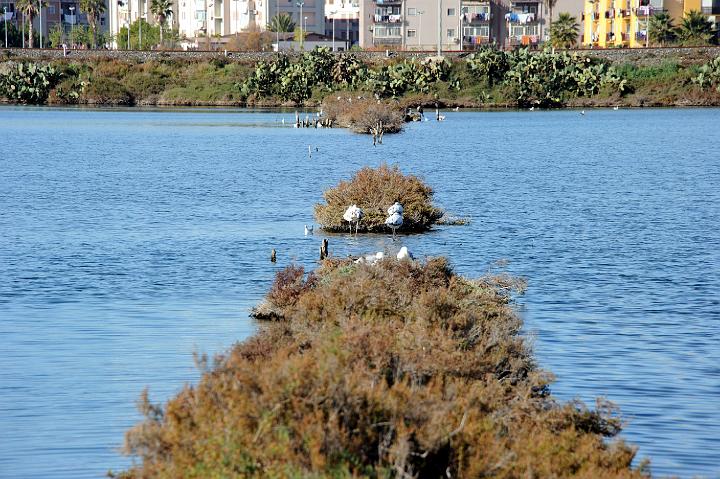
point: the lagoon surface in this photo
(131, 238)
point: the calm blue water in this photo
(130, 239)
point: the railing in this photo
(388, 2)
(522, 18)
(711, 10)
(476, 17)
(647, 11)
(388, 18)
(387, 40)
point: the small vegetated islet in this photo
(397, 369)
(374, 190)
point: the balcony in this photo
(387, 40)
(520, 18)
(644, 11)
(70, 19)
(388, 18)
(388, 2)
(476, 17)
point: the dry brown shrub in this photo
(399, 369)
(290, 283)
(375, 190)
(362, 112)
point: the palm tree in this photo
(550, 4)
(662, 30)
(696, 29)
(281, 23)
(29, 9)
(162, 9)
(93, 9)
(564, 32)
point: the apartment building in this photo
(343, 18)
(221, 18)
(526, 23)
(624, 23)
(451, 24)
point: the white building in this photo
(227, 17)
(343, 16)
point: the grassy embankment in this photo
(487, 79)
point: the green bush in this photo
(546, 78)
(709, 75)
(106, 91)
(27, 82)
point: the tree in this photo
(696, 29)
(281, 23)
(162, 9)
(13, 35)
(93, 9)
(80, 35)
(150, 35)
(564, 32)
(56, 35)
(662, 30)
(29, 9)
(550, 4)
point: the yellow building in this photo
(623, 23)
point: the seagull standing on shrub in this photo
(396, 208)
(404, 254)
(394, 221)
(353, 215)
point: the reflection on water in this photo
(131, 238)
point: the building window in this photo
(479, 31)
(451, 12)
(51, 9)
(451, 33)
(412, 11)
(411, 33)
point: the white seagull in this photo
(404, 254)
(396, 208)
(394, 221)
(353, 215)
(371, 258)
(309, 229)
